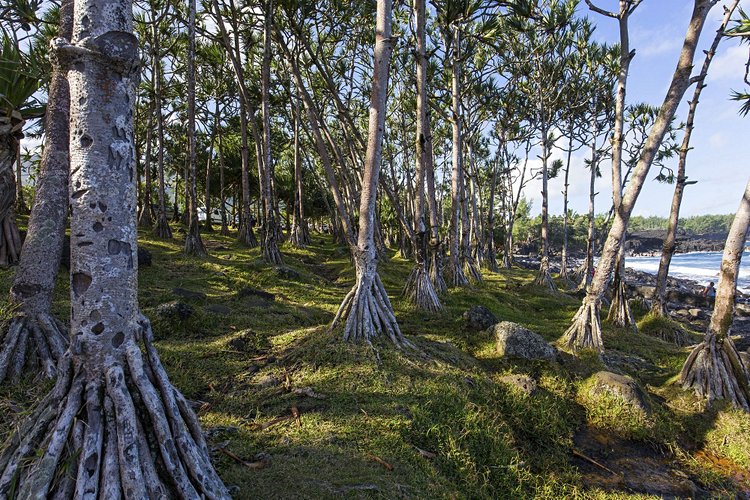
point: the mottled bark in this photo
(10, 240)
(585, 332)
(34, 330)
(714, 369)
(137, 436)
(145, 218)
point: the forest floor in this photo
(293, 412)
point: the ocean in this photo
(697, 266)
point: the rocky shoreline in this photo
(650, 242)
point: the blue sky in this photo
(720, 160)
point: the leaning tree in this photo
(33, 328)
(714, 369)
(113, 425)
(366, 309)
(585, 330)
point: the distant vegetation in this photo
(699, 224)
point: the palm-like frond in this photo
(18, 82)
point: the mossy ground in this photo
(364, 411)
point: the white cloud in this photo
(718, 140)
(729, 65)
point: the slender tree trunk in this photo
(544, 278)
(299, 234)
(714, 369)
(436, 250)
(21, 207)
(222, 193)
(367, 310)
(193, 242)
(33, 328)
(589, 263)
(585, 331)
(10, 240)
(659, 306)
(207, 225)
(468, 217)
(491, 250)
(271, 252)
(113, 425)
(145, 219)
(419, 287)
(564, 252)
(162, 229)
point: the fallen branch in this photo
(381, 462)
(260, 464)
(591, 460)
(425, 454)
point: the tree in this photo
(585, 330)
(113, 424)
(714, 369)
(34, 328)
(366, 309)
(419, 287)
(659, 305)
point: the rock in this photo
(144, 255)
(684, 313)
(515, 340)
(523, 383)
(622, 387)
(695, 313)
(287, 273)
(479, 318)
(174, 310)
(245, 341)
(742, 310)
(267, 381)
(253, 292)
(218, 309)
(189, 294)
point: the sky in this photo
(720, 159)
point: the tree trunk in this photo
(299, 235)
(145, 219)
(21, 207)
(271, 252)
(419, 287)
(585, 332)
(659, 306)
(162, 229)
(113, 424)
(589, 263)
(33, 328)
(367, 310)
(544, 278)
(714, 369)
(10, 239)
(207, 225)
(193, 242)
(564, 252)
(222, 193)
(436, 250)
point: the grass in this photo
(366, 428)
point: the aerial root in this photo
(32, 341)
(368, 312)
(436, 269)
(420, 290)
(620, 313)
(586, 330)
(544, 278)
(125, 432)
(10, 241)
(162, 229)
(271, 253)
(457, 276)
(714, 370)
(471, 269)
(194, 245)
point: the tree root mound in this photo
(194, 245)
(471, 269)
(586, 330)
(420, 290)
(544, 278)
(368, 312)
(436, 270)
(124, 432)
(271, 253)
(162, 229)
(31, 342)
(620, 313)
(246, 236)
(714, 370)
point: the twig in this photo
(261, 464)
(381, 462)
(591, 460)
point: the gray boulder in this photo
(174, 310)
(619, 386)
(695, 313)
(189, 294)
(516, 341)
(479, 318)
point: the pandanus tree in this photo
(113, 425)
(367, 310)
(585, 330)
(419, 286)
(659, 305)
(18, 83)
(714, 369)
(33, 328)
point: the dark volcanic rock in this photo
(253, 292)
(517, 341)
(218, 309)
(651, 241)
(174, 310)
(622, 387)
(479, 318)
(523, 383)
(189, 294)
(287, 273)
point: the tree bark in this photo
(145, 219)
(544, 278)
(33, 328)
(162, 229)
(585, 331)
(714, 369)
(137, 436)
